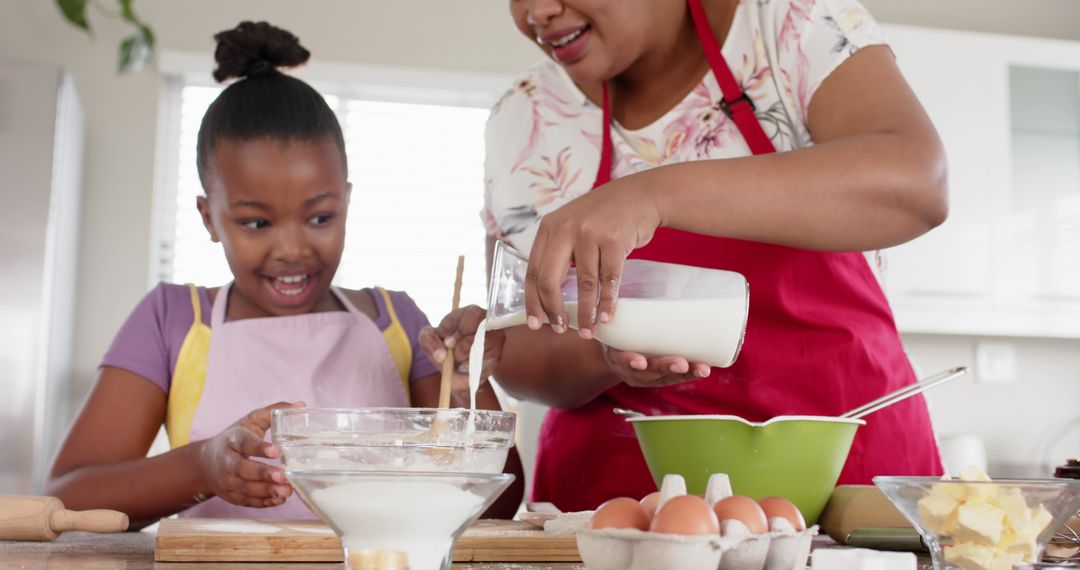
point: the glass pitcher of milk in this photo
(663, 309)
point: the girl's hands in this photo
(454, 337)
(642, 372)
(231, 475)
(596, 231)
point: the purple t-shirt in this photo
(148, 343)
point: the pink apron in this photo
(332, 359)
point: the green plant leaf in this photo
(147, 36)
(75, 12)
(134, 53)
(128, 13)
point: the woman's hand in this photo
(229, 472)
(456, 333)
(596, 231)
(643, 372)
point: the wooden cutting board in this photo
(244, 540)
(854, 507)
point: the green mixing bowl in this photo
(795, 457)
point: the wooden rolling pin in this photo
(44, 518)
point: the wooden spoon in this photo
(448, 363)
(439, 426)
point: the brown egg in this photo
(688, 514)
(781, 508)
(650, 502)
(744, 510)
(622, 512)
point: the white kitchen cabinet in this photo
(1007, 261)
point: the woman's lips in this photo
(568, 46)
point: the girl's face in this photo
(594, 40)
(278, 208)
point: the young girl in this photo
(211, 363)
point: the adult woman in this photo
(775, 138)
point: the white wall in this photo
(470, 35)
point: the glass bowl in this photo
(417, 515)
(393, 439)
(988, 525)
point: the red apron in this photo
(820, 340)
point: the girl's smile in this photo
(290, 290)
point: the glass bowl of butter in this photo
(974, 523)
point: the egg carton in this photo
(630, 548)
(783, 548)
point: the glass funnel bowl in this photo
(401, 482)
(418, 515)
(394, 439)
(980, 525)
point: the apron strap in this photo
(344, 300)
(607, 151)
(188, 377)
(221, 301)
(397, 340)
(196, 305)
(735, 104)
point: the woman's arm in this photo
(875, 178)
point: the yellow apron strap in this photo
(189, 377)
(398, 341)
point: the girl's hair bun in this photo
(256, 48)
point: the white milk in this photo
(418, 518)
(476, 363)
(700, 330)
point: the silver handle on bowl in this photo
(627, 413)
(906, 392)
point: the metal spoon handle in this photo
(906, 392)
(627, 413)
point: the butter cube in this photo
(1040, 519)
(974, 474)
(937, 512)
(954, 491)
(970, 556)
(979, 522)
(1015, 545)
(1017, 514)
(1005, 560)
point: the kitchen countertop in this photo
(135, 551)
